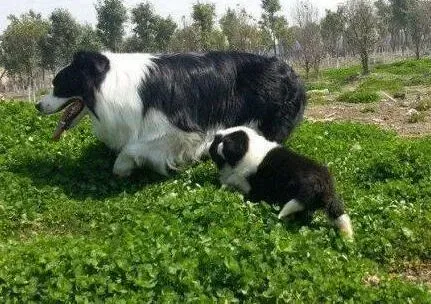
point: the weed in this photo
(416, 117)
(423, 105)
(368, 109)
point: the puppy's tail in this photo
(335, 211)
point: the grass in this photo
(350, 86)
(417, 117)
(359, 96)
(423, 105)
(71, 232)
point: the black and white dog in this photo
(264, 170)
(163, 111)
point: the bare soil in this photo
(417, 272)
(389, 114)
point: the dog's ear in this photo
(235, 146)
(91, 63)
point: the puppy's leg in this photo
(336, 213)
(292, 206)
(124, 164)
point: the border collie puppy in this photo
(265, 170)
(163, 111)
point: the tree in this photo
(88, 39)
(20, 46)
(185, 40)
(270, 21)
(62, 39)
(111, 16)
(240, 32)
(384, 26)
(151, 32)
(418, 18)
(361, 29)
(204, 18)
(308, 36)
(399, 22)
(332, 30)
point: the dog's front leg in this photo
(124, 164)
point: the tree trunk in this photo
(2, 74)
(364, 62)
(307, 69)
(417, 51)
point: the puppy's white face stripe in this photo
(51, 104)
(258, 148)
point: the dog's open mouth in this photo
(74, 107)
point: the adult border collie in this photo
(265, 170)
(163, 111)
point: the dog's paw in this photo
(122, 169)
(122, 172)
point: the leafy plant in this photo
(72, 232)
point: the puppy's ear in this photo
(91, 63)
(235, 146)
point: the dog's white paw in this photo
(121, 172)
(123, 167)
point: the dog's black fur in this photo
(200, 91)
(281, 176)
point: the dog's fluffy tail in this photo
(336, 213)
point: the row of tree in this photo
(32, 45)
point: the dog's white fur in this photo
(291, 207)
(119, 123)
(257, 150)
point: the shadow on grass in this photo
(88, 176)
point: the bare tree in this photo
(418, 24)
(361, 30)
(308, 36)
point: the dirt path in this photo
(389, 114)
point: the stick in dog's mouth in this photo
(70, 113)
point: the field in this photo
(394, 96)
(72, 232)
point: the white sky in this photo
(84, 12)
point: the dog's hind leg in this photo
(291, 207)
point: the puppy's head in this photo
(229, 147)
(74, 88)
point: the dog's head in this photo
(229, 146)
(74, 88)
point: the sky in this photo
(84, 12)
